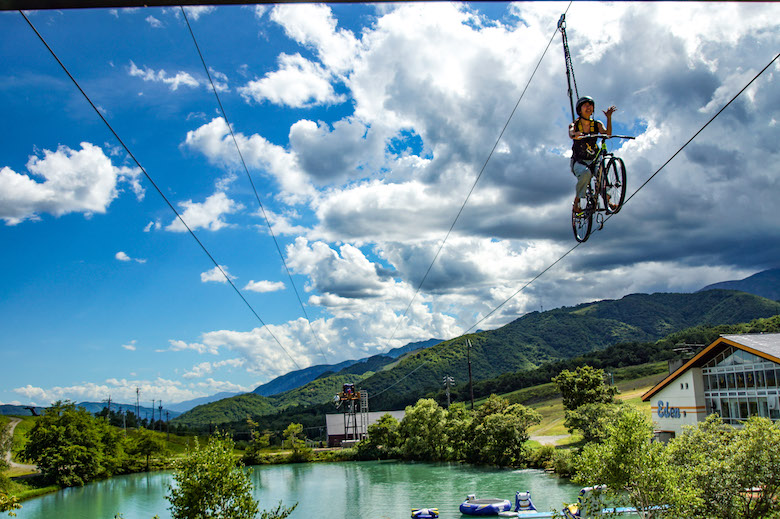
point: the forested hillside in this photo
(303, 376)
(560, 334)
(238, 408)
(523, 345)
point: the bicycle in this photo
(606, 190)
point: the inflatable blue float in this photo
(489, 506)
(425, 513)
(523, 503)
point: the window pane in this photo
(770, 378)
(730, 380)
(753, 406)
(743, 409)
(750, 379)
(774, 407)
(724, 408)
(763, 407)
(740, 380)
(760, 379)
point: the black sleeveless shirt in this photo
(585, 150)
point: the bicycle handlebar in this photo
(603, 136)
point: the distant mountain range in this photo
(303, 376)
(764, 284)
(92, 407)
(189, 404)
(525, 343)
(19, 410)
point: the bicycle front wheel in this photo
(614, 190)
(581, 223)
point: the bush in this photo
(542, 458)
(563, 462)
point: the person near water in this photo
(585, 149)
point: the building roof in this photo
(765, 345)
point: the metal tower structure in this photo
(353, 402)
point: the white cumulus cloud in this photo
(206, 215)
(298, 83)
(217, 275)
(161, 76)
(73, 181)
(264, 286)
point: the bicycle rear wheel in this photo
(581, 223)
(614, 191)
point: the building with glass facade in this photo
(737, 376)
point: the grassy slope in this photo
(551, 407)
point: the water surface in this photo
(363, 490)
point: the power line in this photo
(249, 177)
(154, 184)
(474, 185)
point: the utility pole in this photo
(137, 406)
(471, 385)
(447, 381)
(152, 422)
(160, 409)
(108, 415)
(167, 425)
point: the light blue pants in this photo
(583, 174)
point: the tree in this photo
(7, 503)
(755, 459)
(384, 432)
(146, 443)
(293, 441)
(209, 485)
(382, 439)
(493, 405)
(592, 419)
(72, 447)
(701, 456)
(422, 431)
(585, 385)
(258, 442)
(499, 437)
(458, 427)
(635, 470)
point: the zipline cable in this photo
(474, 185)
(251, 182)
(635, 191)
(154, 184)
(580, 243)
(702, 128)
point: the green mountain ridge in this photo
(523, 344)
(765, 284)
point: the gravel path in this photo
(549, 440)
(11, 462)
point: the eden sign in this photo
(664, 411)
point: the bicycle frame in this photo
(607, 183)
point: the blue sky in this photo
(363, 128)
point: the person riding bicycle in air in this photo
(584, 149)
